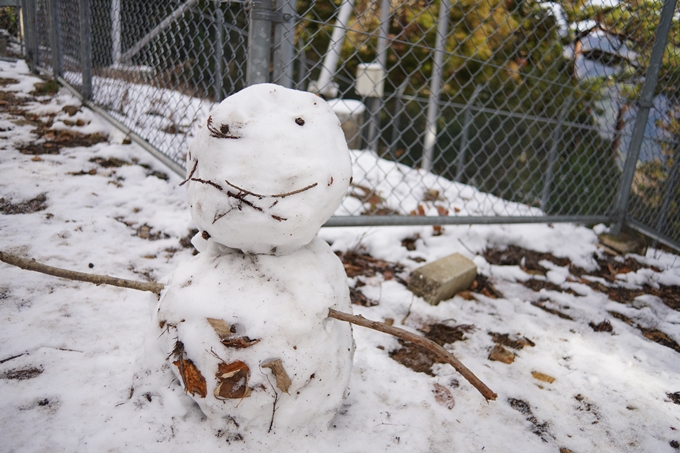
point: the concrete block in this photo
(442, 279)
(625, 243)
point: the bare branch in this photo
(156, 288)
(284, 195)
(247, 192)
(210, 183)
(32, 265)
(420, 341)
(191, 173)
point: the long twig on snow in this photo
(420, 341)
(155, 287)
(33, 265)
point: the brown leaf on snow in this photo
(221, 328)
(240, 342)
(500, 354)
(283, 382)
(194, 382)
(233, 381)
(225, 332)
(543, 377)
(443, 396)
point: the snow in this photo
(267, 170)
(81, 347)
(280, 301)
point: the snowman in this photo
(244, 324)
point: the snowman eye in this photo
(299, 121)
(222, 132)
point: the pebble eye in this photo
(299, 121)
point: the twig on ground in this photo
(420, 341)
(32, 265)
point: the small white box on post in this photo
(370, 80)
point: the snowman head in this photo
(267, 168)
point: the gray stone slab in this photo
(442, 279)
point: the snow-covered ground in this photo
(72, 368)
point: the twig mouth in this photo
(242, 194)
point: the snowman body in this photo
(244, 324)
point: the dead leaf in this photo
(283, 382)
(500, 354)
(221, 328)
(431, 195)
(419, 211)
(239, 342)
(225, 332)
(194, 382)
(543, 377)
(443, 396)
(233, 381)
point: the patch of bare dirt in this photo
(514, 343)
(527, 260)
(22, 374)
(185, 242)
(604, 326)
(358, 264)
(553, 311)
(655, 335)
(482, 285)
(357, 297)
(540, 429)
(420, 359)
(24, 207)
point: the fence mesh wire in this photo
(468, 108)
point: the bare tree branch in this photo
(33, 265)
(155, 287)
(420, 341)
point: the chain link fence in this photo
(468, 111)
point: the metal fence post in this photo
(55, 34)
(435, 85)
(375, 104)
(85, 49)
(670, 190)
(552, 155)
(644, 105)
(30, 33)
(284, 35)
(259, 41)
(460, 159)
(219, 51)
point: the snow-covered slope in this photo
(71, 353)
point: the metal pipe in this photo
(644, 105)
(165, 23)
(396, 220)
(552, 155)
(330, 62)
(116, 49)
(467, 120)
(31, 35)
(259, 42)
(657, 236)
(435, 85)
(284, 34)
(670, 191)
(383, 33)
(86, 48)
(219, 51)
(55, 34)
